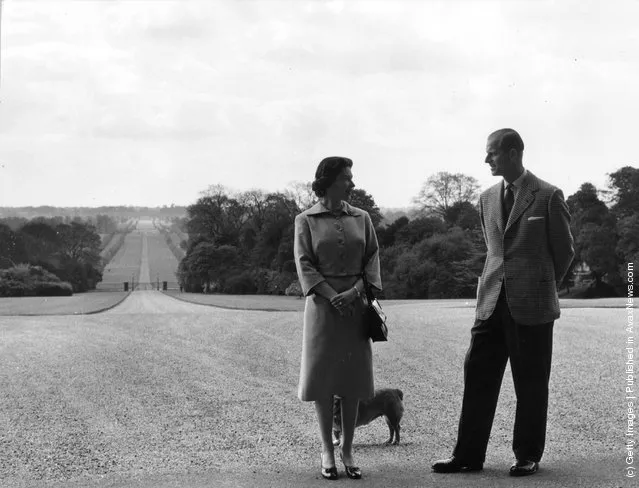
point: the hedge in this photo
(25, 280)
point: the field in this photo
(144, 258)
(161, 392)
(162, 262)
(175, 235)
(125, 265)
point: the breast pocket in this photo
(531, 236)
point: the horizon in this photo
(142, 102)
(232, 192)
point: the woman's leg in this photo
(324, 410)
(349, 417)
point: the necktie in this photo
(509, 201)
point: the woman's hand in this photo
(344, 301)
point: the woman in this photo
(334, 243)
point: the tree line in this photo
(605, 225)
(56, 255)
(116, 212)
(243, 242)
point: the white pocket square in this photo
(536, 218)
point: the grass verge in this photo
(78, 304)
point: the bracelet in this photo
(359, 295)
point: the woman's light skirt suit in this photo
(336, 350)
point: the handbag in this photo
(374, 316)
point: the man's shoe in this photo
(524, 468)
(454, 465)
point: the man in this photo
(526, 226)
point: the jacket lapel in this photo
(496, 209)
(525, 196)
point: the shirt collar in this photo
(516, 185)
(319, 208)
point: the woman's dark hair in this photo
(327, 172)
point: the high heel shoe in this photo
(327, 473)
(353, 472)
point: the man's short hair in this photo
(508, 139)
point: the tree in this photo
(410, 277)
(257, 225)
(586, 207)
(41, 243)
(419, 229)
(12, 249)
(206, 264)
(625, 185)
(69, 250)
(442, 190)
(275, 235)
(628, 243)
(596, 246)
(301, 193)
(387, 235)
(360, 199)
(14, 223)
(463, 214)
(254, 203)
(79, 242)
(79, 251)
(105, 224)
(216, 218)
(593, 227)
(443, 265)
(457, 264)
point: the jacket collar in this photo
(319, 208)
(519, 181)
(529, 183)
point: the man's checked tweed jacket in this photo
(532, 254)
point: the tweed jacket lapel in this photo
(525, 196)
(498, 209)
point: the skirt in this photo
(337, 357)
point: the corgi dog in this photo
(387, 403)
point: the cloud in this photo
(153, 116)
(254, 93)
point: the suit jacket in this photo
(529, 255)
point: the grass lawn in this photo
(210, 390)
(80, 303)
(125, 265)
(269, 303)
(284, 303)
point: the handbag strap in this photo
(367, 288)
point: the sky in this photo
(149, 102)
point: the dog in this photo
(386, 402)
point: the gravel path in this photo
(161, 393)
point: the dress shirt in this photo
(516, 185)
